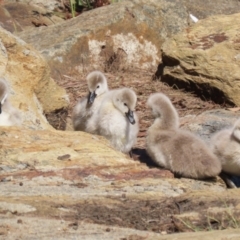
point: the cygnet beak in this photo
(0, 107)
(130, 116)
(91, 97)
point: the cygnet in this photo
(178, 150)
(83, 112)
(116, 119)
(9, 116)
(226, 146)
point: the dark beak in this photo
(0, 107)
(91, 97)
(130, 116)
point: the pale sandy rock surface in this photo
(76, 185)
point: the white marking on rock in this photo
(193, 18)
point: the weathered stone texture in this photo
(209, 122)
(61, 180)
(205, 57)
(32, 90)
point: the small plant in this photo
(75, 4)
(85, 3)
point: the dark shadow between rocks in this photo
(203, 91)
(158, 74)
(58, 119)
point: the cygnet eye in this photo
(98, 86)
(125, 104)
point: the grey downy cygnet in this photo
(116, 119)
(225, 145)
(84, 110)
(9, 116)
(178, 150)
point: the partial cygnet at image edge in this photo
(9, 116)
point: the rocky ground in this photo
(72, 185)
(141, 215)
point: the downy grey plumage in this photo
(85, 109)
(177, 150)
(226, 146)
(116, 119)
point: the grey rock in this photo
(209, 122)
(206, 8)
(118, 36)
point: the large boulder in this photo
(33, 91)
(205, 57)
(118, 36)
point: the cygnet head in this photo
(125, 100)
(97, 85)
(163, 111)
(3, 93)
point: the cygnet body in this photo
(226, 146)
(177, 150)
(116, 119)
(9, 116)
(83, 112)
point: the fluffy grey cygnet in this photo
(85, 109)
(177, 150)
(116, 119)
(9, 116)
(226, 146)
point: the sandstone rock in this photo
(32, 90)
(64, 181)
(118, 36)
(205, 58)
